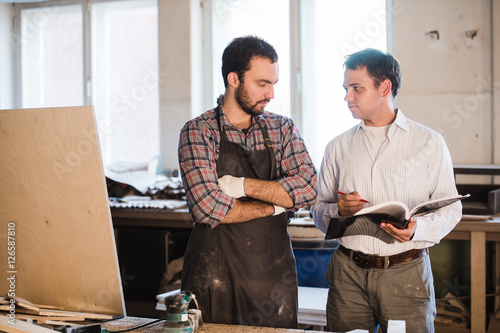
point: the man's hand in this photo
(401, 235)
(233, 186)
(350, 204)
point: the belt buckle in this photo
(369, 260)
(363, 256)
(362, 260)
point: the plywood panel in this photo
(53, 190)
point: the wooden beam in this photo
(478, 282)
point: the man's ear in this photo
(386, 87)
(233, 80)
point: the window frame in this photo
(18, 8)
(86, 40)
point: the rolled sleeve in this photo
(207, 203)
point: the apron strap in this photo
(267, 141)
(269, 145)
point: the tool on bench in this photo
(180, 319)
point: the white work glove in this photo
(278, 210)
(233, 186)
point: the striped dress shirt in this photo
(413, 165)
(199, 150)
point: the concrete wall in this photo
(176, 33)
(447, 82)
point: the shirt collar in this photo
(401, 121)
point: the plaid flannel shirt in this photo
(199, 150)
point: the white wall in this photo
(7, 98)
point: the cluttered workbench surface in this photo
(128, 322)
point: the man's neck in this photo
(235, 113)
(383, 118)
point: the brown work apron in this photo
(243, 273)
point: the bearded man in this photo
(243, 168)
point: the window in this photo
(116, 70)
(125, 79)
(328, 31)
(52, 56)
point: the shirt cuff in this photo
(418, 235)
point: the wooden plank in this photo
(67, 314)
(478, 282)
(497, 280)
(54, 194)
(25, 303)
(490, 225)
(38, 318)
(452, 300)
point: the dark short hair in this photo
(237, 55)
(379, 65)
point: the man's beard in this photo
(244, 102)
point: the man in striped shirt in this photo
(386, 157)
(241, 167)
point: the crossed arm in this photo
(294, 187)
(271, 198)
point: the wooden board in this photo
(478, 281)
(53, 194)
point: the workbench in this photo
(478, 233)
(155, 218)
(129, 322)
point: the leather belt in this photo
(373, 261)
